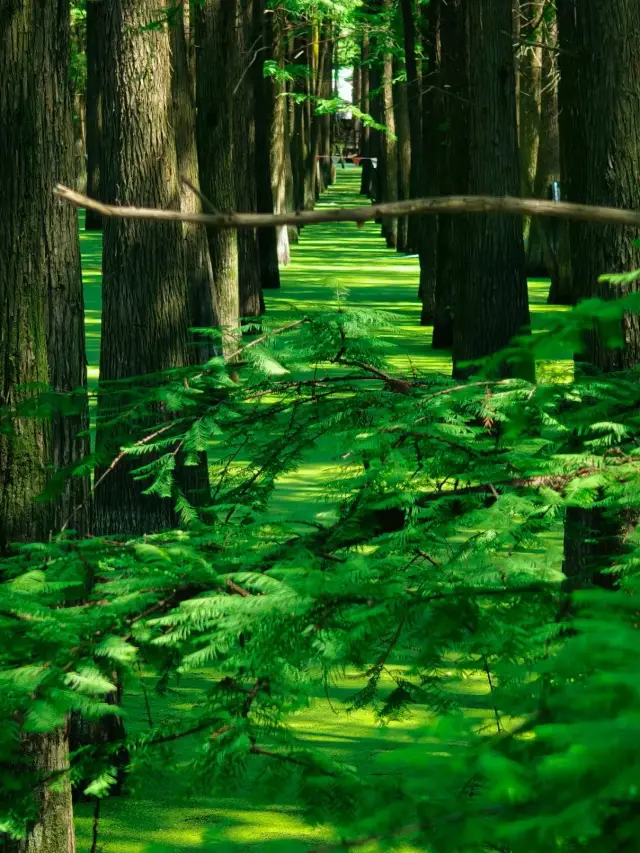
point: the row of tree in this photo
(183, 94)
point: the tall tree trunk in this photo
(244, 128)
(530, 98)
(430, 171)
(388, 163)
(542, 249)
(357, 102)
(600, 101)
(279, 132)
(44, 755)
(365, 106)
(414, 95)
(198, 267)
(326, 86)
(216, 76)
(95, 81)
(145, 296)
(491, 301)
(401, 110)
(453, 82)
(39, 286)
(265, 106)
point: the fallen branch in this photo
(409, 207)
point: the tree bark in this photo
(39, 287)
(401, 110)
(279, 132)
(454, 165)
(414, 96)
(44, 755)
(491, 301)
(365, 106)
(542, 249)
(95, 80)
(388, 161)
(198, 267)
(264, 113)
(216, 76)
(430, 171)
(600, 101)
(599, 96)
(145, 295)
(530, 95)
(244, 128)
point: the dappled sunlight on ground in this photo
(161, 818)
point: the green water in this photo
(159, 818)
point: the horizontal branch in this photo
(410, 207)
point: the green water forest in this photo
(319, 426)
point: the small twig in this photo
(116, 461)
(204, 201)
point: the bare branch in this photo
(365, 213)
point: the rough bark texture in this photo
(414, 96)
(600, 101)
(431, 165)
(95, 72)
(365, 106)
(39, 284)
(244, 129)
(491, 300)
(265, 106)
(529, 95)
(279, 132)
(401, 110)
(145, 296)
(454, 164)
(216, 77)
(298, 126)
(388, 163)
(46, 754)
(197, 260)
(542, 249)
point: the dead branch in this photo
(409, 207)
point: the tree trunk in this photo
(44, 755)
(401, 110)
(600, 101)
(542, 249)
(491, 301)
(530, 95)
(95, 80)
(430, 171)
(388, 162)
(216, 76)
(264, 112)
(326, 86)
(454, 165)
(145, 296)
(365, 106)
(414, 95)
(197, 260)
(244, 128)
(39, 285)
(279, 133)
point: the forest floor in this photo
(160, 817)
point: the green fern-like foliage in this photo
(443, 558)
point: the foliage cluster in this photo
(433, 561)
